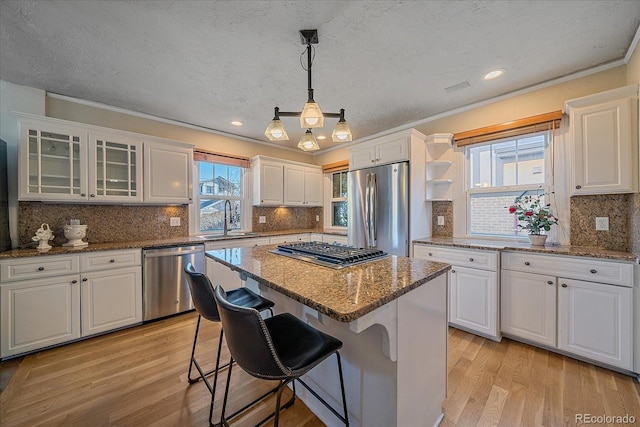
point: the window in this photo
(218, 183)
(338, 199)
(498, 172)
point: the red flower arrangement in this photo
(533, 214)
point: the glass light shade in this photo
(341, 133)
(276, 132)
(308, 142)
(311, 116)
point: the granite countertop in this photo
(498, 245)
(344, 295)
(137, 244)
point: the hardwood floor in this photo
(137, 377)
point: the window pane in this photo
(339, 217)
(212, 215)
(339, 184)
(489, 214)
(220, 180)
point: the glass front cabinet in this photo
(59, 162)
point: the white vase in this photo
(75, 234)
(537, 239)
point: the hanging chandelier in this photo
(311, 116)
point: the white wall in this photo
(27, 100)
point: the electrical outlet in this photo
(317, 218)
(440, 220)
(174, 221)
(262, 219)
(602, 223)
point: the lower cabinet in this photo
(103, 293)
(222, 275)
(586, 318)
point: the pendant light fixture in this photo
(311, 116)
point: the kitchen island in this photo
(391, 317)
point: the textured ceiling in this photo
(386, 63)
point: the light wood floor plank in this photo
(138, 377)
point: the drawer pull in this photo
(430, 254)
(453, 271)
(527, 263)
(40, 268)
(112, 260)
(550, 282)
(84, 279)
(593, 271)
(470, 259)
(578, 187)
(564, 285)
(74, 281)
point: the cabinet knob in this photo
(578, 187)
(430, 254)
(453, 271)
(92, 195)
(373, 161)
(84, 279)
(74, 282)
(40, 268)
(470, 259)
(112, 260)
(593, 271)
(564, 285)
(549, 282)
(83, 194)
(527, 263)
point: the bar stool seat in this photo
(202, 295)
(281, 347)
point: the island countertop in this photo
(344, 295)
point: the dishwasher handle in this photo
(173, 251)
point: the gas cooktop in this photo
(333, 256)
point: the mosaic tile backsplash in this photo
(444, 209)
(286, 218)
(585, 209)
(105, 223)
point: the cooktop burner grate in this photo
(335, 256)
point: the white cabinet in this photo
(220, 274)
(168, 172)
(279, 182)
(379, 152)
(528, 306)
(302, 185)
(289, 238)
(439, 168)
(48, 300)
(593, 300)
(604, 134)
(595, 321)
(473, 287)
(66, 161)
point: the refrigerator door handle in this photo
(374, 206)
(367, 211)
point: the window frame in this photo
(546, 186)
(244, 199)
(329, 199)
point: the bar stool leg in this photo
(193, 353)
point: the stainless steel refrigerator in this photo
(379, 208)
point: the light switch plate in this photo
(440, 220)
(174, 221)
(602, 223)
(317, 218)
(262, 219)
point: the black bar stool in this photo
(202, 294)
(281, 347)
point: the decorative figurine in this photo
(43, 235)
(74, 234)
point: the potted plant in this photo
(534, 216)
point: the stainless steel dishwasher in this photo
(164, 283)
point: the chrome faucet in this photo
(226, 221)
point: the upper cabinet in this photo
(279, 182)
(604, 132)
(70, 162)
(379, 152)
(168, 172)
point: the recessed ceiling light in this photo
(237, 123)
(321, 137)
(494, 74)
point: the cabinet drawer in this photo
(236, 243)
(110, 259)
(38, 267)
(484, 260)
(289, 238)
(593, 270)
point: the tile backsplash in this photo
(105, 223)
(444, 209)
(286, 218)
(585, 209)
